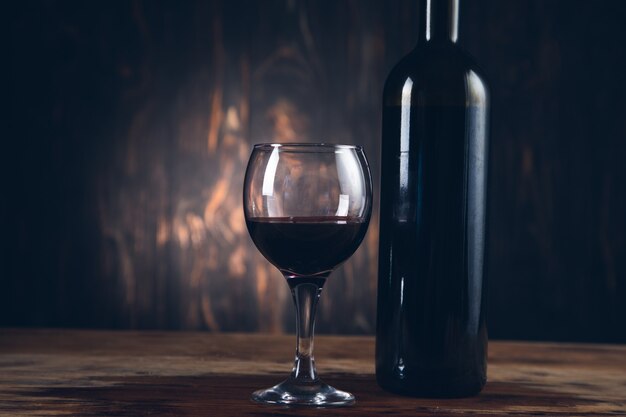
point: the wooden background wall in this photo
(129, 124)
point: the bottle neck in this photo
(439, 20)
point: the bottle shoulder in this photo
(437, 72)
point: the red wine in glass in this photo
(306, 246)
(307, 208)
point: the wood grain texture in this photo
(97, 373)
(129, 124)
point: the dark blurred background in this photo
(129, 123)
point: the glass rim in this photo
(304, 145)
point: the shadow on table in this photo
(228, 395)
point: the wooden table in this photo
(103, 373)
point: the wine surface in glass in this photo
(306, 246)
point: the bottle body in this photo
(431, 332)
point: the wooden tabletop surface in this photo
(104, 373)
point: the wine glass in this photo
(307, 208)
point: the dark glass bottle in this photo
(431, 336)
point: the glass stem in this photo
(305, 297)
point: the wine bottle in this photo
(431, 336)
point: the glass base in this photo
(315, 394)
